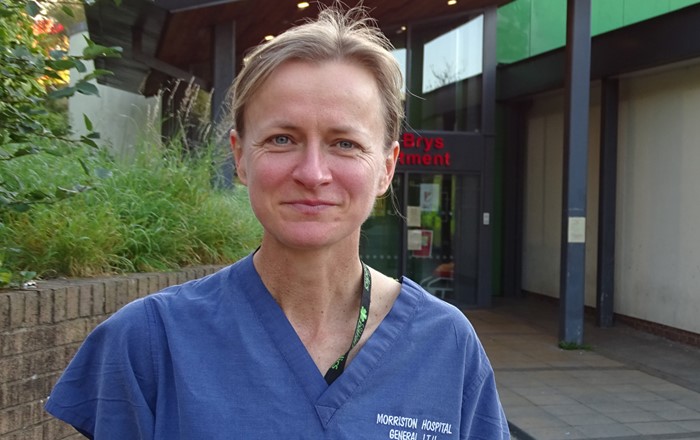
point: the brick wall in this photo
(41, 329)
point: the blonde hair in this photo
(334, 36)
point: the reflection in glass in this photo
(454, 56)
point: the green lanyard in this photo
(337, 368)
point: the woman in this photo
(300, 339)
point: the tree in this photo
(29, 74)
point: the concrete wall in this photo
(41, 329)
(658, 212)
(123, 119)
(658, 229)
(543, 196)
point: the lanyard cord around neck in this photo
(337, 368)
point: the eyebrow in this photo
(283, 124)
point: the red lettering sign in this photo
(425, 159)
(423, 151)
(410, 140)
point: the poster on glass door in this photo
(420, 243)
(429, 197)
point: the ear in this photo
(390, 159)
(237, 148)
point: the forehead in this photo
(342, 75)
(339, 88)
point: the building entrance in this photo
(434, 228)
(428, 231)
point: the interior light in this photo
(303, 5)
(269, 37)
(451, 2)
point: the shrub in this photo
(157, 212)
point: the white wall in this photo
(123, 119)
(657, 268)
(543, 196)
(658, 217)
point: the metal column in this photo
(224, 63)
(607, 203)
(573, 243)
(488, 126)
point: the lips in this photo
(309, 206)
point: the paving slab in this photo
(628, 385)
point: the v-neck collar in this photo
(327, 399)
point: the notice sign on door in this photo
(413, 218)
(420, 242)
(429, 197)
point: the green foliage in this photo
(157, 212)
(25, 119)
(29, 124)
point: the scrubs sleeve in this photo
(108, 389)
(483, 417)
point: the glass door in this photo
(442, 235)
(381, 245)
(434, 239)
(430, 221)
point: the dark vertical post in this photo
(488, 127)
(403, 261)
(607, 203)
(414, 76)
(573, 243)
(514, 168)
(224, 68)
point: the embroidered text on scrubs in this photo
(440, 427)
(401, 422)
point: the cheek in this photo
(266, 172)
(382, 177)
(364, 183)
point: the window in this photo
(453, 56)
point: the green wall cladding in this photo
(530, 27)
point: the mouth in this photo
(309, 205)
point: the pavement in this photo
(625, 385)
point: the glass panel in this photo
(380, 242)
(397, 37)
(400, 55)
(431, 227)
(445, 80)
(454, 107)
(441, 241)
(454, 56)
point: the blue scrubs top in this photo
(216, 358)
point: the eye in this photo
(280, 140)
(346, 145)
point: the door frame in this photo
(453, 153)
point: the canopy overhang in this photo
(165, 39)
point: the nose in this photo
(312, 168)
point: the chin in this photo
(312, 237)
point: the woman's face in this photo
(312, 154)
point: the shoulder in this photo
(435, 310)
(447, 326)
(205, 292)
(129, 325)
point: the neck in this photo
(315, 286)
